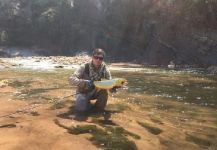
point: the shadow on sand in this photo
(102, 117)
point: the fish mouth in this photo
(124, 82)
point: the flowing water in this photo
(167, 109)
(183, 104)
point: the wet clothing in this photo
(84, 93)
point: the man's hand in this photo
(89, 83)
(113, 90)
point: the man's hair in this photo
(99, 51)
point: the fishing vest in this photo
(94, 76)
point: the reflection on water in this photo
(168, 109)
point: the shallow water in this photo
(186, 88)
(182, 105)
(184, 101)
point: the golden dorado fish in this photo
(109, 84)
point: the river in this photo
(168, 109)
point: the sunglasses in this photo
(97, 57)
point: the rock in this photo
(212, 69)
(1, 66)
(171, 65)
(4, 83)
(17, 54)
(70, 60)
(59, 66)
(4, 54)
(4, 64)
(7, 125)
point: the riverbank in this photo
(63, 62)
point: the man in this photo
(83, 78)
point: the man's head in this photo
(98, 56)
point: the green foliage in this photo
(65, 25)
(108, 138)
(150, 128)
(198, 140)
(119, 107)
(35, 113)
(156, 120)
(58, 105)
(17, 84)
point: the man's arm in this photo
(76, 78)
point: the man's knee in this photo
(102, 99)
(103, 93)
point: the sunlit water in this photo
(183, 104)
(184, 101)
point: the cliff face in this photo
(146, 31)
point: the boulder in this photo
(212, 69)
(4, 54)
(4, 83)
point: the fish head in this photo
(119, 82)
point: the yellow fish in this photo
(109, 84)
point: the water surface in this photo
(167, 109)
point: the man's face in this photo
(97, 60)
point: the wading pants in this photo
(83, 104)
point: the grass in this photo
(36, 93)
(120, 130)
(114, 138)
(17, 84)
(34, 113)
(8, 125)
(182, 87)
(119, 107)
(58, 105)
(150, 128)
(156, 120)
(164, 141)
(198, 140)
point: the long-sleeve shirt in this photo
(81, 75)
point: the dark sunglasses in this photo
(97, 57)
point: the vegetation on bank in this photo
(107, 138)
(150, 31)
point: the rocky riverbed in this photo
(162, 108)
(60, 62)
(38, 62)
